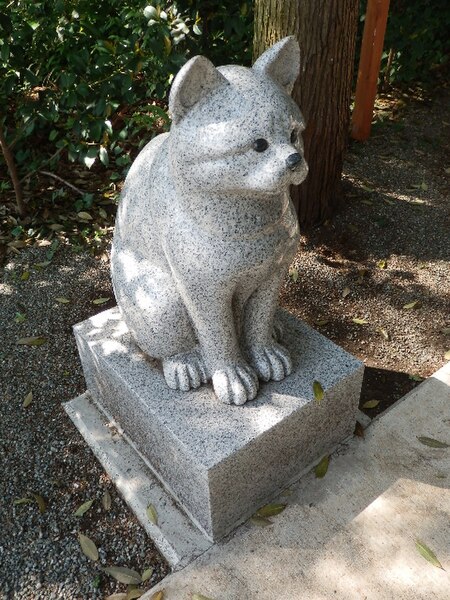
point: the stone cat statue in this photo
(205, 228)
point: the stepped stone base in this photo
(221, 462)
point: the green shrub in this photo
(68, 68)
(417, 37)
(82, 77)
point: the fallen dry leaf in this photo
(260, 521)
(318, 391)
(100, 301)
(147, 574)
(322, 468)
(134, 593)
(88, 547)
(106, 500)
(32, 341)
(42, 504)
(411, 305)
(293, 274)
(270, 510)
(428, 554)
(371, 404)
(359, 430)
(83, 508)
(431, 442)
(27, 400)
(123, 575)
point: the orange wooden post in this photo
(369, 67)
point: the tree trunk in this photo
(326, 31)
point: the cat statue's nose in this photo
(293, 160)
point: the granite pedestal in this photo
(222, 462)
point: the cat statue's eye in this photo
(294, 137)
(260, 145)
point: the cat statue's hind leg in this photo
(158, 321)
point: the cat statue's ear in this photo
(281, 62)
(197, 78)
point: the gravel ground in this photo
(388, 247)
(339, 277)
(41, 451)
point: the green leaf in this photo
(318, 391)
(104, 158)
(84, 216)
(62, 300)
(359, 321)
(25, 276)
(83, 508)
(152, 514)
(88, 547)
(428, 554)
(123, 575)
(147, 574)
(32, 341)
(382, 264)
(158, 595)
(27, 400)
(371, 404)
(431, 442)
(293, 274)
(270, 510)
(100, 301)
(150, 12)
(322, 468)
(88, 161)
(20, 318)
(201, 597)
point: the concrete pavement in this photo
(352, 534)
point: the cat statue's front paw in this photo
(235, 383)
(185, 371)
(270, 361)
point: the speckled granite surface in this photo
(222, 462)
(205, 228)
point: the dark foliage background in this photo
(86, 81)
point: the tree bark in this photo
(9, 159)
(326, 31)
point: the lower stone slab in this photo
(222, 462)
(174, 534)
